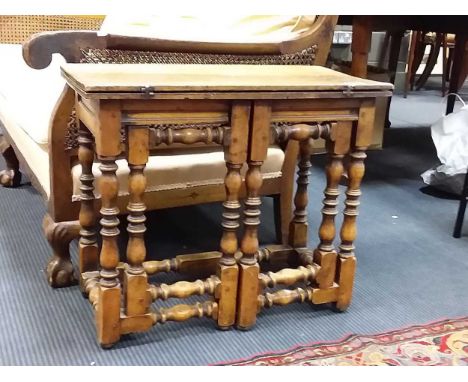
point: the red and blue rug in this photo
(443, 343)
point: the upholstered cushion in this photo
(28, 95)
(171, 169)
(226, 28)
(183, 168)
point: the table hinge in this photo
(348, 91)
(147, 90)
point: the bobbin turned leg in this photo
(325, 255)
(108, 307)
(137, 298)
(298, 226)
(88, 248)
(228, 270)
(347, 260)
(108, 300)
(248, 267)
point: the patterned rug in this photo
(443, 343)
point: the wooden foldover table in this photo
(260, 105)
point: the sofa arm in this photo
(38, 49)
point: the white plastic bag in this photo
(450, 136)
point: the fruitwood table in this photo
(263, 105)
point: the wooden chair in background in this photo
(437, 41)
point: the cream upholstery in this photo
(227, 28)
(183, 169)
(28, 96)
(25, 114)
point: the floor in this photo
(410, 269)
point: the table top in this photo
(154, 78)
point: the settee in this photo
(40, 133)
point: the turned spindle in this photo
(109, 256)
(136, 283)
(187, 135)
(109, 293)
(157, 266)
(184, 289)
(288, 276)
(230, 222)
(300, 131)
(325, 254)
(327, 231)
(136, 250)
(298, 226)
(88, 248)
(348, 229)
(183, 312)
(347, 261)
(249, 243)
(284, 297)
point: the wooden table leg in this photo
(136, 295)
(394, 54)
(360, 45)
(346, 257)
(248, 267)
(298, 227)
(431, 61)
(88, 248)
(228, 270)
(108, 149)
(325, 255)
(108, 308)
(409, 70)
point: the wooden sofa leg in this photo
(11, 176)
(60, 271)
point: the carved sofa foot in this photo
(11, 176)
(60, 272)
